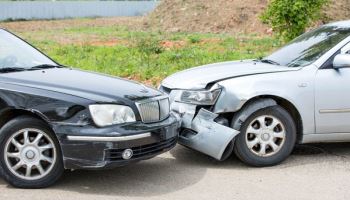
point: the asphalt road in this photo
(313, 172)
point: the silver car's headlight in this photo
(109, 114)
(200, 97)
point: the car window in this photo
(15, 53)
(310, 46)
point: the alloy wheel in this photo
(30, 154)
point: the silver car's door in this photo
(332, 99)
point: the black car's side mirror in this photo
(341, 61)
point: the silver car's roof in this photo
(342, 24)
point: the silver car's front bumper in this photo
(206, 135)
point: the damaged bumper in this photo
(200, 132)
(94, 148)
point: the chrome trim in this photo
(71, 124)
(108, 139)
(335, 110)
(157, 98)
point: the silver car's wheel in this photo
(265, 135)
(30, 154)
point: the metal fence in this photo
(72, 9)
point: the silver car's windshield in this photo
(308, 47)
(16, 54)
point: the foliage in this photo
(144, 56)
(149, 48)
(194, 39)
(290, 18)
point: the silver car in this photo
(261, 108)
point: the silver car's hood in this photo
(200, 77)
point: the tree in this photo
(290, 18)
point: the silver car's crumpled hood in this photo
(199, 77)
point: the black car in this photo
(54, 118)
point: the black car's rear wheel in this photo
(267, 137)
(30, 156)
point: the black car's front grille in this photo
(154, 110)
(141, 151)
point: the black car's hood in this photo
(93, 86)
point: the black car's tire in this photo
(41, 152)
(254, 137)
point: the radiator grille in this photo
(154, 110)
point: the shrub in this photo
(149, 47)
(290, 18)
(194, 39)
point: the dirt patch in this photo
(337, 10)
(172, 44)
(230, 16)
(225, 16)
(152, 82)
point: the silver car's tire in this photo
(267, 137)
(30, 155)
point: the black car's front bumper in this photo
(94, 148)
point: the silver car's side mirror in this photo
(341, 61)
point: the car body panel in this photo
(332, 101)
(51, 106)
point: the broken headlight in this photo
(200, 97)
(109, 114)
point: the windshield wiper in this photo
(43, 66)
(268, 61)
(11, 69)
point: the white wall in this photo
(72, 9)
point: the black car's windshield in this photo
(308, 47)
(17, 55)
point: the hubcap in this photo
(30, 154)
(265, 135)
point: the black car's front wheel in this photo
(30, 155)
(267, 137)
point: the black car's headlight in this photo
(198, 97)
(109, 114)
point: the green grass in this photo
(144, 56)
